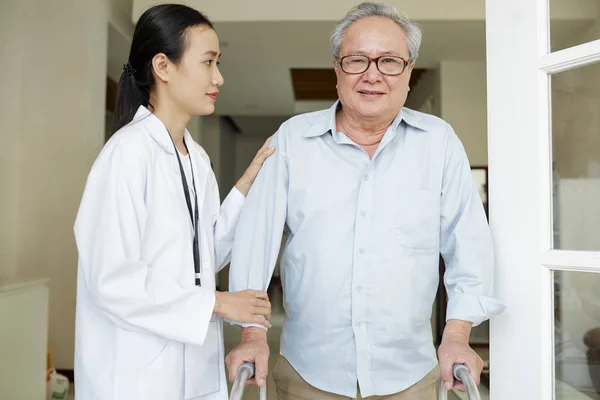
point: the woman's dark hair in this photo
(160, 29)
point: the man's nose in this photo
(372, 74)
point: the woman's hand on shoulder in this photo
(247, 179)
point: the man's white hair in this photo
(365, 10)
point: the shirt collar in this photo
(157, 130)
(326, 121)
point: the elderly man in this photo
(370, 194)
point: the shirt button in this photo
(366, 177)
(361, 251)
(359, 289)
(363, 213)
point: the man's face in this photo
(371, 94)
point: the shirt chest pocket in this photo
(418, 219)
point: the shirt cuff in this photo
(472, 308)
(246, 325)
(233, 204)
(235, 195)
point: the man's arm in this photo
(466, 246)
(257, 243)
(229, 213)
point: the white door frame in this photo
(520, 189)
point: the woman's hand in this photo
(248, 306)
(247, 179)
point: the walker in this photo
(245, 372)
(461, 373)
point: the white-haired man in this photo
(371, 193)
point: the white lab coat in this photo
(144, 331)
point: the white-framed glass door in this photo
(543, 76)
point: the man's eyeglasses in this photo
(387, 65)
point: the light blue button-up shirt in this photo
(360, 265)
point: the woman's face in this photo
(195, 83)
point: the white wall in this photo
(227, 159)
(120, 17)
(218, 139)
(195, 128)
(426, 93)
(227, 145)
(457, 92)
(11, 43)
(245, 150)
(464, 105)
(306, 106)
(52, 105)
(211, 141)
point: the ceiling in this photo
(258, 57)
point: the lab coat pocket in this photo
(203, 363)
(161, 378)
(418, 222)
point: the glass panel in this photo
(577, 335)
(573, 22)
(576, 156)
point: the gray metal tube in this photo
(461, 372)
(245, 372)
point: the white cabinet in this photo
(23, 339)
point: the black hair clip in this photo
(129, 69)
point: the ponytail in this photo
(129, 98)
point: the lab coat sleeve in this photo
(108, 232)
(465, 241)
(260, 227)
(224, 230)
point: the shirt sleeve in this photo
(224, 229)
(260, 227)
(465, 242)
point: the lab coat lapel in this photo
(157, 130)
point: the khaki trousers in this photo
(291, 386)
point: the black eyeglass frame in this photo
(405, 64)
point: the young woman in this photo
(151, 233)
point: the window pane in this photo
(573, 22)
(577, 334)
(576, 156)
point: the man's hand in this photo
(455, 349)
(254, 349)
